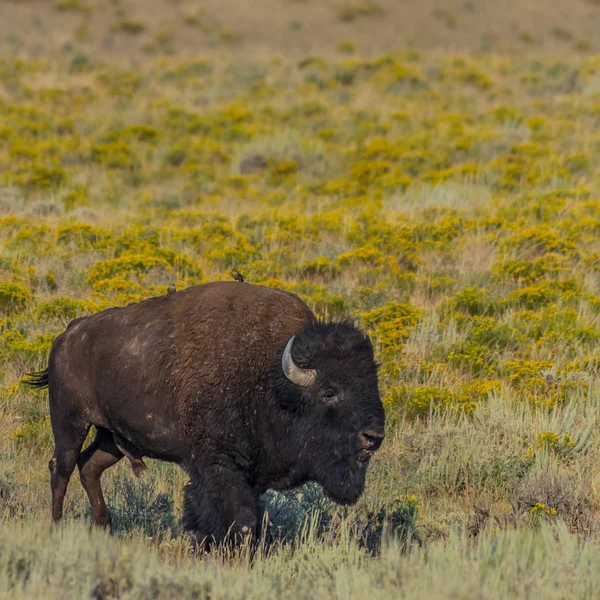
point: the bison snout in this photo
(370, 439)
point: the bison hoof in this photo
(245, 532)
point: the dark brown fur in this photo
(195, 378)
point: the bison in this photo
(238, 384)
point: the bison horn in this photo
(297, 375)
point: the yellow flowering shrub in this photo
(130, 264)
(420, 401)
(64, 309)
(34, 434)
(13, 296)
(541, 509)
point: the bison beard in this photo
(240, 385)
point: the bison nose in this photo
(370, 439)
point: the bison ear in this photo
(296, 374)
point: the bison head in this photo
(327, 383)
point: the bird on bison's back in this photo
(237, 275)
(240, 385)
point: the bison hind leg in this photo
(100, 455)
(132, 454)
(68, 442)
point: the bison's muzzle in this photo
(370, 441)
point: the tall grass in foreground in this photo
(71, 562)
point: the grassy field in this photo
(447, 202)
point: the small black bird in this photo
(171, 289)
(237, 275)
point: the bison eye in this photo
(330, 396)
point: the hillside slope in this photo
(41, 28)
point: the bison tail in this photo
(37, 379)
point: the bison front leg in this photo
(220, 505)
